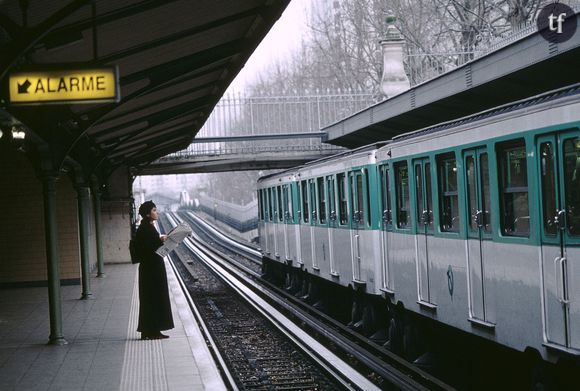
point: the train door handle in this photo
(560, 219)
(425, 219)
(561, 278)
(478, 218)
(387, 216)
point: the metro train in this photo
(473, 223)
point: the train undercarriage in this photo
(459, 358)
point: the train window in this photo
(515, 215)
(312, 200)
(485, 192)
(572, 184)
(548, 180)
(286, 209)
(279, 203)
(358, 200)
(367, 207)
(402, 192)
(419, 191)
(471, 184)
(448, 203)
(330, 188)
(289, 208)
(424, 195)
(260, 214)
(297, 201)
(343, 209)
(305, 210)
(321, 199)
(270, 209)
(386, 196)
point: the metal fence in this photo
(240, 115)
(196, 150)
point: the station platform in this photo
(104, 350)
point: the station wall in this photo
(116, 217)
(22, 236)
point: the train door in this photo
(559, 159)
(478, 229)
(277, 217)
(301, 199)
(313, 220)
(332, 215)
(357, 202)
(386, 226)
(270, 220)
(424, 220)
(287, 218)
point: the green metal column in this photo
(52, 259)
(83, 212)
(97, 207)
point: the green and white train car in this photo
(474, 223)
(307, 220)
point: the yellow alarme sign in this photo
(65, 86)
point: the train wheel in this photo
(304, 289)
(538, 377)
(411, 343)
(395, 343)
(369, 322)
(288, 282)
(356, 313)
(381, 336)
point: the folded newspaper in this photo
(174, 237)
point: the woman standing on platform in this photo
(154, 305)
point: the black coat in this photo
(154, 305)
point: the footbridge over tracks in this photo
(263, 132)
(274, 132)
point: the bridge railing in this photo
(196, 150)
(239, 115)
(310, 111)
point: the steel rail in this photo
(308, 314)
(251, 253)
(211, 345)
(327, 361)
(390, 373)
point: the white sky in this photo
(279, 43)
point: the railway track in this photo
(255, 343)
(387, 369)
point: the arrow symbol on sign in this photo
(23, 88)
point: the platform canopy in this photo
(523, 65)
(175, 59)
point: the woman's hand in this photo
(163, 237)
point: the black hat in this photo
(146, 208)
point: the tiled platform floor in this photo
(103, 351)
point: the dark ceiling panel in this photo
(175, 59)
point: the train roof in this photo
(350, 152)
(513, 106)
